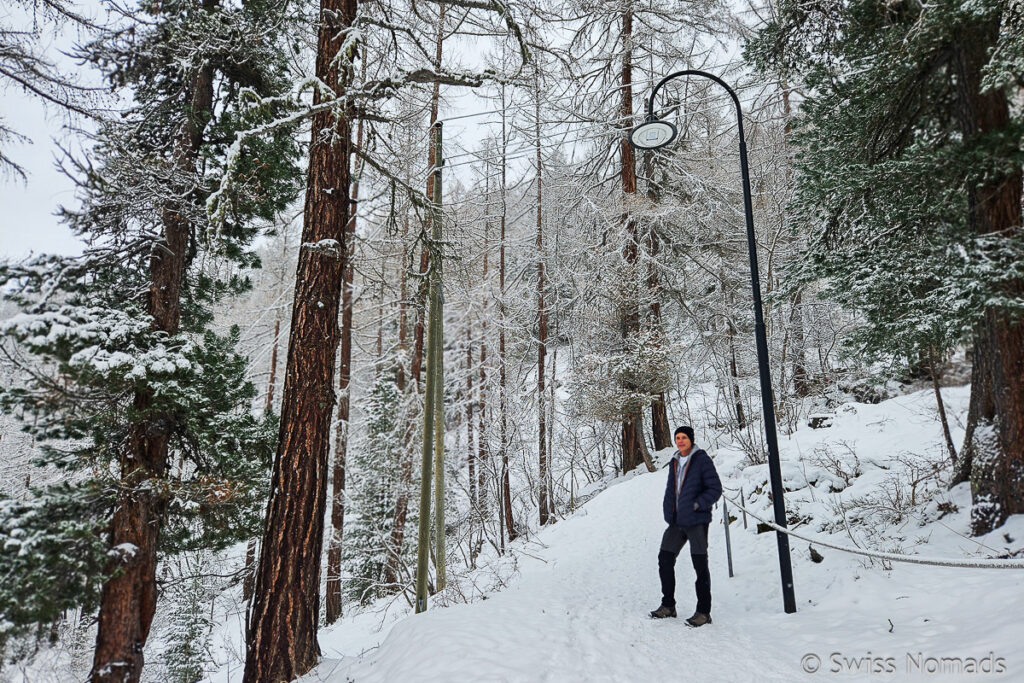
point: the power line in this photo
(531, 146)
(511, 105)
(726, 66)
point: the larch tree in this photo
(281, 641)
(614, 45)
(25, 65)
(338, 470)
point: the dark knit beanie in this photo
(685, 430)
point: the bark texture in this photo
(405, 456)
(661, 431)
(506, 489)
(333, 586)
(128, 599)
(632, 423)
(281, 643)
(995, 443)
(543, 486)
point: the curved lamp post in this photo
(652, 134)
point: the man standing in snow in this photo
(693, 487)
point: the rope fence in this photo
(981, 563)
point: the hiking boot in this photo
(663, 612)
(699, 619)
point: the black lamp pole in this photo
(767, 402)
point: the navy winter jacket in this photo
(701, 485)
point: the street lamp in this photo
(652, 134)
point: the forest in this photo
(367, 294)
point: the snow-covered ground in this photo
(576, 608)
(571, 602)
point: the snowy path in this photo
(581, 616)
(577, 610)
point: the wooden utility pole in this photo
(433, 400)
(435, 98)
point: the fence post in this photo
(728, 543)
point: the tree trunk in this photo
(981, 404)
(249, 581)
(481, 430)
(506, 489)
(801, 380)
(996, 435)
(272, 381)
(734, 375)
(470, 445)
(128, 598)
(646, 455)
(633, 445)
(940, 405)
(542, 327)
(660, 427)
(632, 423)
(550, 484)
(482, 464)
(405, 455)
(281, 643)
(333, 587)
(416, 369)
(661, 431)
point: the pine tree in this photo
(910, 168)
(146, 411)
(189, 635)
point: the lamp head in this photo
(652, 134)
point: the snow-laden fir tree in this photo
(910, 168)
(372, 475)
(145, 413)
(188, 637)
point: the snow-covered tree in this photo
(371, 493)
(146, 410)
(910, 170)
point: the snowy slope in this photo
(577, 609)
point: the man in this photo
(693, 487)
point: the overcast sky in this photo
(27, 220)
